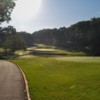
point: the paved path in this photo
(12, 85)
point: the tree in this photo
(5, 32)
(13, 43)
(6, 7)
(94, 37)
(27, 37)
(82, 36)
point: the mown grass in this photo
(21, 52)
(41, 49)
(57, 52)
(80, 59)
(1, 50)
(53, 79)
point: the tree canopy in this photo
(82, 36)
(14, 42)
(6, 7)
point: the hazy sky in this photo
(39, 14)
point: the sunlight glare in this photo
(27, 9)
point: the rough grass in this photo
(53, 79)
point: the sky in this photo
(42, 14)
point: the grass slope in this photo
(44, 50)
(53, 79)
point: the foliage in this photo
(10, 30)
(6, 32)
(27, 37)
(82, 36)
(14, 42)
(6, 7)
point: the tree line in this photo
(11, 40)
(82, 36)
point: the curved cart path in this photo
(12, 85)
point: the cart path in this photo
(12, 85)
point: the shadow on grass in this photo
(46, 54)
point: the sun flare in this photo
(27, 9)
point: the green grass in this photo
(1, 50)
(58, 52)
(41, 49)
(79, 59)
(21, 52)
(53, 79)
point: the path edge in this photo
(25, 80)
